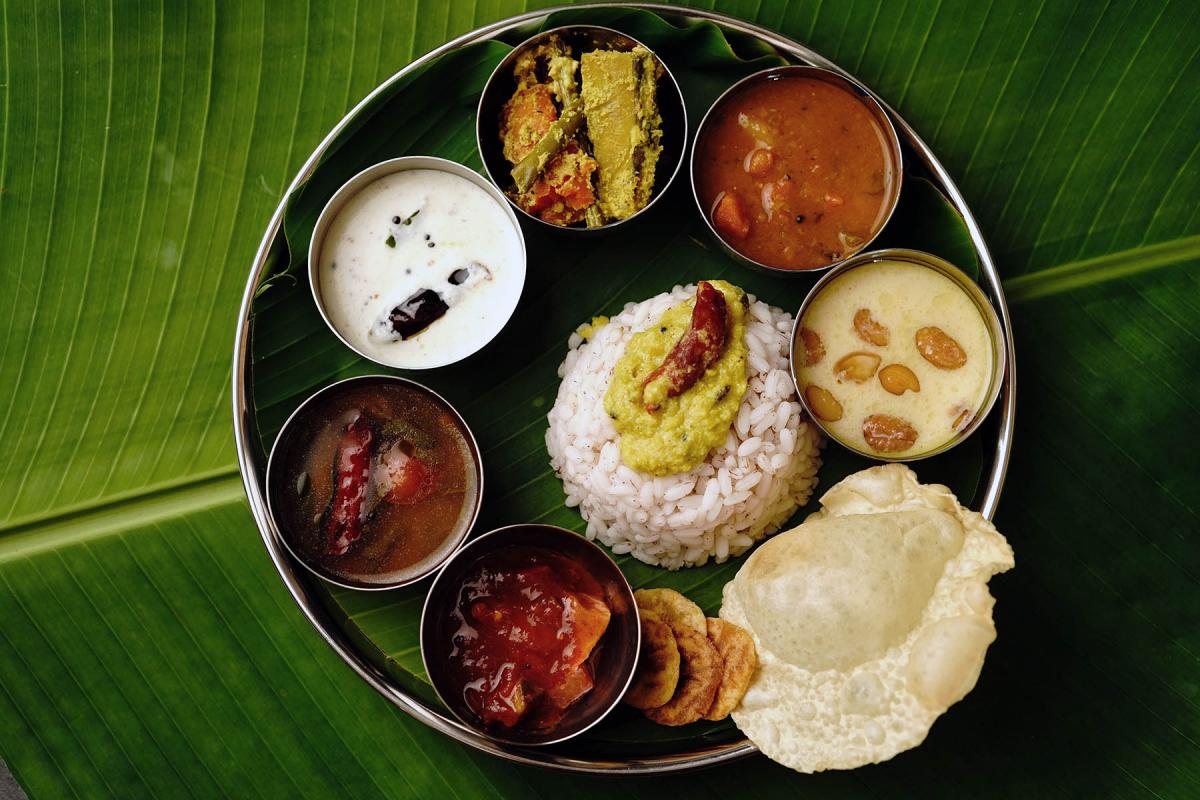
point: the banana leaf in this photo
(148, 649)
(505, 391)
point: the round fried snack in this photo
(657, 672)
(736, 648)
(699, 677)
(677, 610)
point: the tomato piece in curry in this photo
(529, 625)
(795, 173)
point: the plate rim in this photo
(986, 500)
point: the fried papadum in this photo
(736, 648)
(675, 609)
(657, 672)
(699, 678)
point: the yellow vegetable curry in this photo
(673, 434)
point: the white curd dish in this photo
(416, 262)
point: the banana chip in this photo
(736, 648)
(657, 672)
(675, 609)
(699, 677)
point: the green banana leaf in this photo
(147, 647)
(505, 391)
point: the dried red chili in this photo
(696, 350)
(343, 524)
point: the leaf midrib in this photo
(1085, 272)
(22, 536)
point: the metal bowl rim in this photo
(986, 500)
(865, 96)
(960, 279)
(657, 192)
(360, 181)
(500, 533)
(476, 458)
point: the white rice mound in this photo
(746, 489)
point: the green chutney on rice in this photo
(661, 501)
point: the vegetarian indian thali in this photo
(688, 428)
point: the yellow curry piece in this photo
(684, 429)
(624, 127)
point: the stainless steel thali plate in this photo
(312, 597)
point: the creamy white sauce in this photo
(905, 297)
(370, 264)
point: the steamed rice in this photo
(744, 491)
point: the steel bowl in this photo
(619, 648)
(277, 485)
(868, 100)
(501, 85)
(991, 321)
(363, 179)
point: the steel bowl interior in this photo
(891, 142)
(291, 441)
(617, 653)
(500, 87)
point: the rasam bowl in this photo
(282, 491)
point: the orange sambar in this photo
(795, 172)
